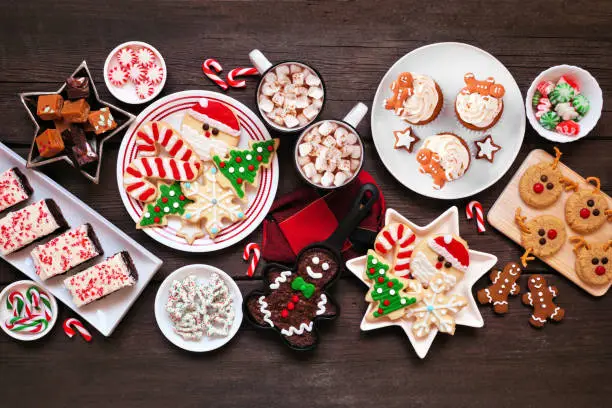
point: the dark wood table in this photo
(352, 44)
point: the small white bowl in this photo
(6, 314)
(127, 92)
(203, 274)
(588, 86)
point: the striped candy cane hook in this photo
(251, 247)
(211, 69)
(476, 207)
(71, 324)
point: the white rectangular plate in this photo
(104, 314)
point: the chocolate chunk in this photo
(82, 151)
(77, 88)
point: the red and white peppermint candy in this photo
(145, 57)
(71, 324)
(476, 207)
(237, 72)
(254, 248)
(117, 75)
(126, 57)
(154, 74)
(136, 73)
(144, 89)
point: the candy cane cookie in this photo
(400, 238)
(138, 175)
(153, 135)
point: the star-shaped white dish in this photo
(480, 263)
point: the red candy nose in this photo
(585, 213)
(439, 265)
(552, 234)
(538, 188)
(207, 133)
(600, 270)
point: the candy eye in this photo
(315, 260)
(590, 203)
(215, 131)
(594, 261)
(544, 178)
(550, 186)
(596, 212)
(541, 232)
(542, 241)
(604, 260)
(440, 258)
(205, 126)
(325, 266)
(447, 265)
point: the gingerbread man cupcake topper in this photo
(488, 87)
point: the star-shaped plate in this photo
(123, 119)
(480, 263)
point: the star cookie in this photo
(486, 148)
(405, 139)
(190, 231)
(212, 203)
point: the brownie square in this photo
(77, 88)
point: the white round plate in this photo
(588, 87)
(203, 274)
(171, 110)
(6, 314)
(127, 92)
(447, 63)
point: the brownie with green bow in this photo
(296, 298)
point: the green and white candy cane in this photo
(563, 92)
(550, 120)
(581, 104)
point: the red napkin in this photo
(304, 217)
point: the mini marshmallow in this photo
(279, 120)
(351, 138)
(355, 163)
(301, 102)
(290, 101)
(290, 89)
(302, 119)
(334, 153)
(340, 178)
(332, 165)
(268, 89)
(325, 128)
(316, 178)
(313, 79)
(318, 103)
(321, 163)
(298, 79)
(344, 165)
(355, 151)
(323, 152)
(295, 68)
(340, 137)
(283, 79)
(291, 121)
(315, 92)
(316, 137)
(346, 151)
(327, 179)
(266, 104)
(308, 136)
(309, 170)
(304, 148)
(314, 152)
(329, 141)
(302, 161)
(301, 91)
(310, 112)
(278, 99)
(270, 77)
(341, 131)
(282, 70)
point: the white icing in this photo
(478, 110)
(424, 271)
(204, 146)
(486, 148)
(264, 310)
(453, 155)
(313, 274)
(280, 279)
(421, 105)
(321, 305)
(404, 138)
(299, 331)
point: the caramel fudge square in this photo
(49, 143)
(75, 111)
(49, 107)
(102, 121)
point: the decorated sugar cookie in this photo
(542, 236)
(486, 148)
(503, 284)
(190, 231)
(405, 139)
(241, 167)
(398, 239)
(152, 137)
(211, 127)
(586, 210)
(171, 201)
(593, 261)
(440, 255)
(541, 185)
(212, 203)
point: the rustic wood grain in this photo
(352, 44)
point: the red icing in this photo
(585, 213)
(390, 284)
(270, 148)
(239, 180)
(538, 188)
(438, 265)
(238, 159)
(380, 311)
(386, 302)
(251, 167)
(222, 165)
(259, 158)
(157, 209)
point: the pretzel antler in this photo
(607, 245)
(609, 215)
(569, 184)
(596, 182)
(579, 242)
(558, 155)
(525, 257)
(520, 220)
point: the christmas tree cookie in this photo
(171, 201)
(388, 291)
(241, 167)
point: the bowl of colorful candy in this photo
(564, 103)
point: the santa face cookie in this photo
(211, 127)
(442, 254)
(541, 184)
(587, 210)
(593, 261)
(541, 236)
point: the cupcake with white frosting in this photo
(445, 157)
(479, 105)
(416, 98)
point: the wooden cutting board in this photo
(501, 216)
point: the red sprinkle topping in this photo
(290, 306)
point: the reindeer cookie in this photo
(541, 296)
(541, 185)
(593, 261)
(503, 285)
(542, 236)
(586, 210)
(296, 298)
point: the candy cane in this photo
(33, 324)
(236, 72)
(72, 322)
(399, 237)
(475, 206)
(251, 247)
(152, 134)
(135, 177)
(15, 302)
(33, 296)
(46, 306)
(212, 64)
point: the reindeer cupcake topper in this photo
(488, 87)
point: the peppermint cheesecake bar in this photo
(14, 188)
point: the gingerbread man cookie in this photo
(488, 87)
(402, 89)
(430, 164)
(593, 261)
(541, 236)
(541, 297)
(587, 209)
(503, 285)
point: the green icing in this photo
(550, 120)
(563, 92)
(242, 166)
(386, 289)
(171, 201)
(581, 104)
(536, 98)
